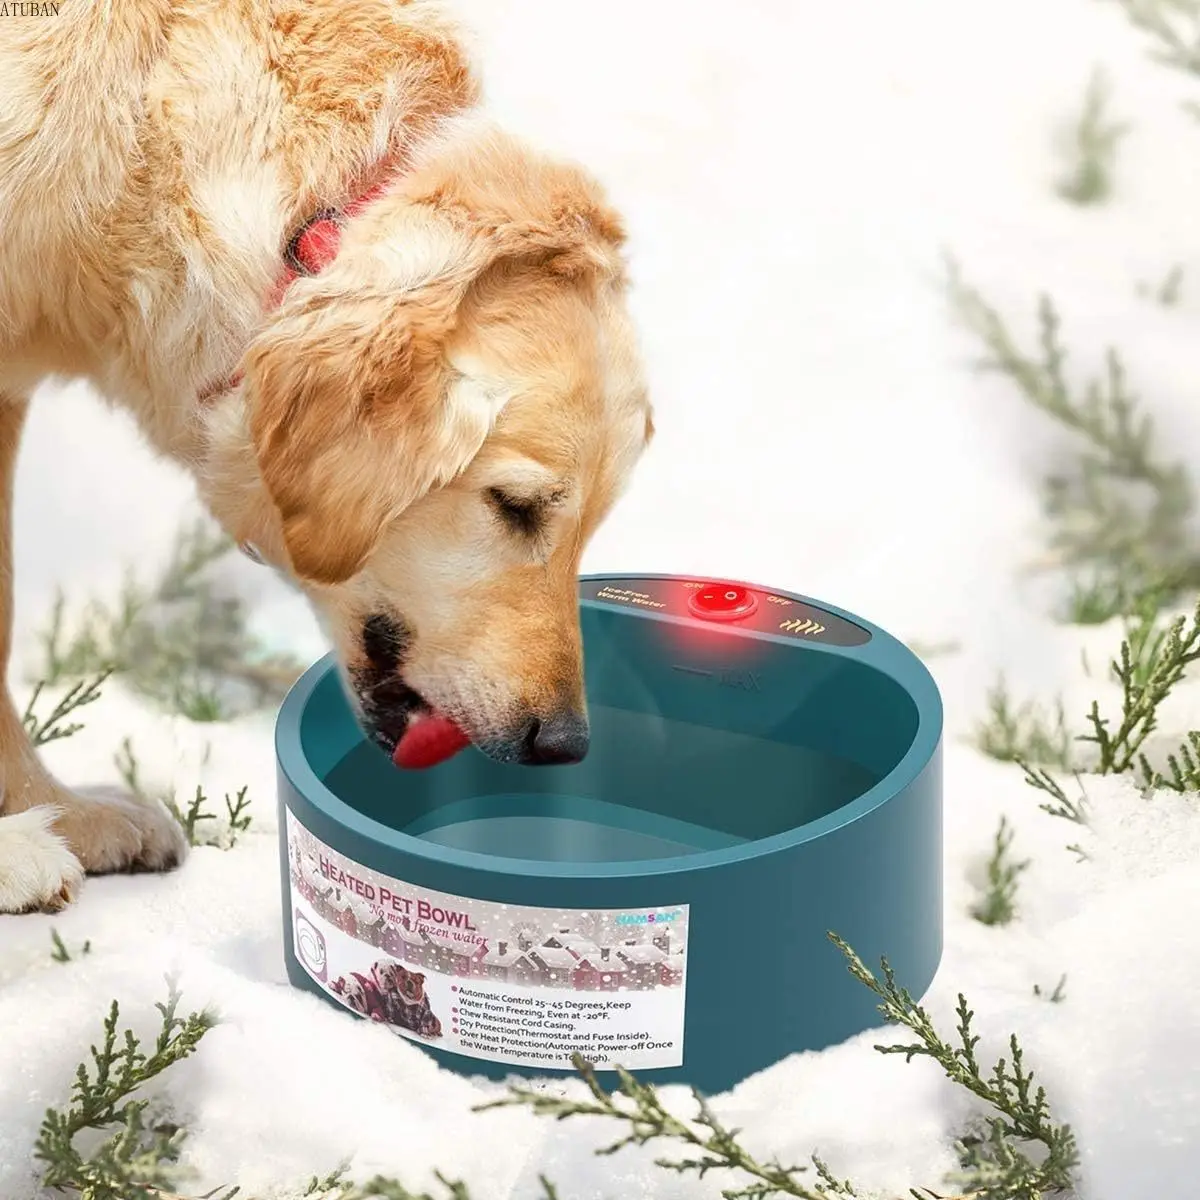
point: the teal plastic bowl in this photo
(763, 769)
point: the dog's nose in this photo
(557, 740)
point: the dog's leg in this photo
(50, 835)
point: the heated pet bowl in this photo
(763, 769)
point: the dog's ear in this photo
(522, 205)
(354, 416)
(351, 421)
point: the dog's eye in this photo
(522, 516)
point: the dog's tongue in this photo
(429, 739)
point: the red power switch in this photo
(722, 602)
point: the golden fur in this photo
(468, 348)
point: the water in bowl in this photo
(651, 787)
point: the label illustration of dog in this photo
(393, 995)
(408, 1005)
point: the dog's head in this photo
(412, 988)
(393, 979)
(442, 418)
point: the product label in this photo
(507, 983)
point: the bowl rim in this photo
(883, 653)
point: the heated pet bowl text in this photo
(406, 905)
(654, 918)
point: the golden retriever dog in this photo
(388, 339)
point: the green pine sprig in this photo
(1060, 804)
(135, 1155)
(236, 821)
(999, 1165)
(1013, 732)
(712, 1145)
(1168, 291)
(1058, 995)
(55, 725)
(176, 639)
(336, 1186)
(1183, 768)
(191, 819)
(1091, 148)
(1120, 512)
(58, 948)
(1147, 672)
(998, 903)
(1173, 27)
(136, 1158)
(1153, 660)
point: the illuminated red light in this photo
(722, 602)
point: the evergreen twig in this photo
(139, 1159)
(713, 1146)
(337, 1187)
(997, 1166)
(1059, 804)
(189, 818)
(1153, 659)
(1091, 148)
(1023, 733)
(1121, 514)
(237, 815)
(1183, 768)
(55, 726)
(997, 905)
(1168, 291)
(178, 640)
(59, 951)
(1058, 995)
(136, 1160)
(237, 818)
(1173, 27)
(130, 769)
(383, 1188)
(1148, 669)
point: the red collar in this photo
(309, 251)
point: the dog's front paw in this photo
(110, 830)
(38, 872)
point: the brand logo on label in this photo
(654, 918)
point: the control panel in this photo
(733, 606)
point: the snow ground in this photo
(792, 174)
